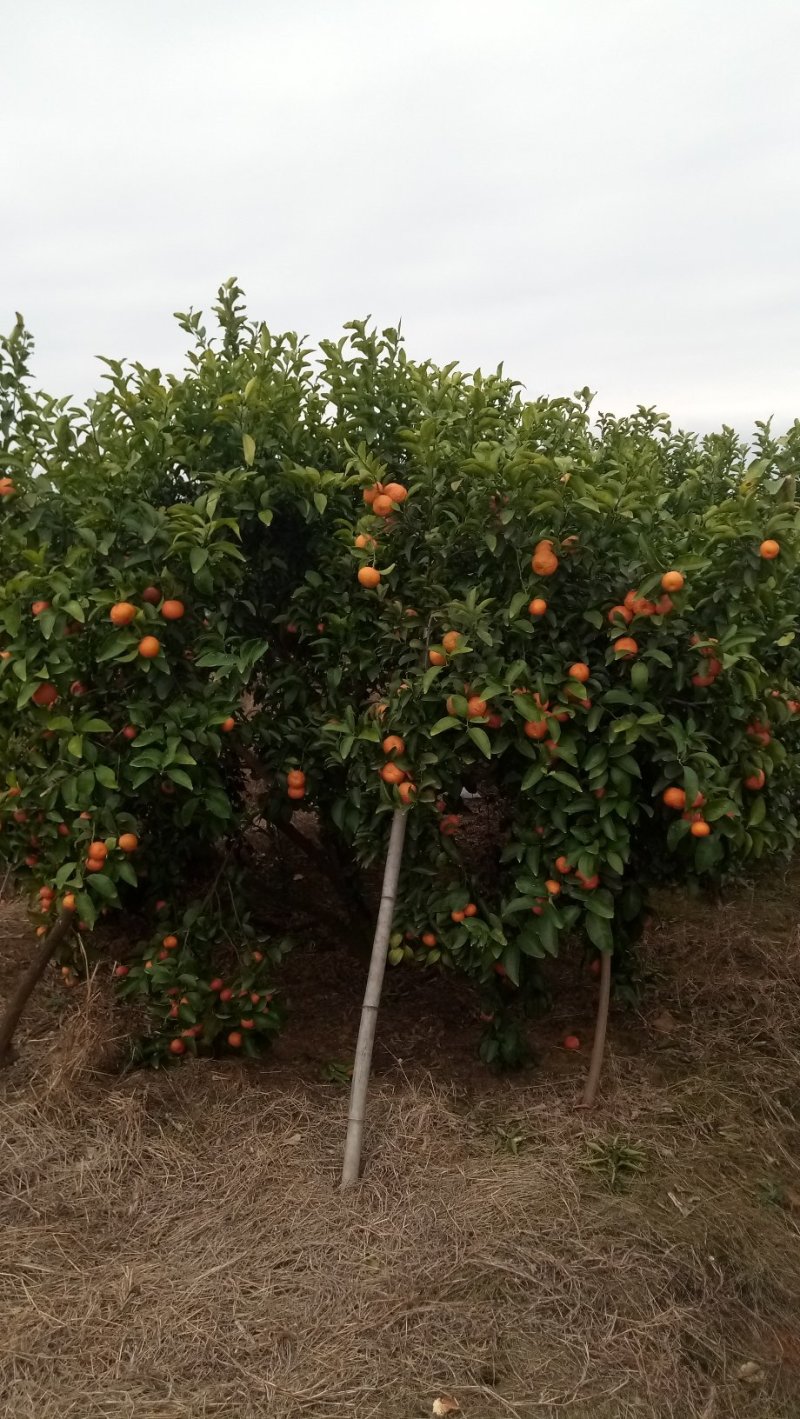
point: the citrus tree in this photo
(349, 583)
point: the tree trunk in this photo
(29, 981)
(372, 996)
(598, 1046)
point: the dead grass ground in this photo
(173, 1246)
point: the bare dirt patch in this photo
(173, 1245)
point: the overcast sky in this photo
(601, 192)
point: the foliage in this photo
(237, 490)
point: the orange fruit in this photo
(68, 902)
(674, 797)
(537, 606)
(470, 909)
(544, 563)
(235, 1039)
(428, 939)
(563, 865)
(536, 729)
(436, 658)
(457, 916)
(664, 605)
(177, 1047)
(396, 492)
(476, 707)
(579, 671)
(296, 793)
(370, 494)
(369, 577)
(228, 725)
(407, 791)
(627, 645)
(149, 646)
(553, 887)
(151, 595)
(364, 540)
(571, 1042)
(121, 971)
(39, 606)
(672, 581)
(173, 610)
(98, 850)
(122, 613)
(451, 640)
(619, 613)
(127, 842)
(700, 828)
(589, 884)
(755, 781)
(296, 778)
(45, 695)
(130, 732)
(382, 506)
(169, 943)
(703, 681)
(769, 550)
(393, 744)
(247, 1024)
(392, 773)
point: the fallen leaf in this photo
(791, 1199)
(445, 1404)
(750, 1372)
(664, 1023)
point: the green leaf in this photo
(182, 779)
(91, 725)
(75, 746)
(320, 502)
(598, 930)
(481, 738)
(639, 676)
(758, 812)
(198, 558)
(442, 724)
(510, 959)
(266, 515)
(594, 618)
(103, 887)
(76, 611)
(568, 780)
(248, 449)
(106, 776)
(87, 911)
(600, 903)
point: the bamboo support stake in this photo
(372, 996)
(599, 1042)
(26, 986)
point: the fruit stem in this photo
(25, 988)
(599, 1042)
(372, 995)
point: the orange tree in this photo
(351, 582)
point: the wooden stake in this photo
(372, 996)
(21, 995)
(598, 1044)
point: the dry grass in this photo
(174, 1246)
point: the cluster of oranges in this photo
(382, 499)
(392, 774)
(7, 489)
(450, 643)
(123, 613)
(675, 797)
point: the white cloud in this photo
(594, 193)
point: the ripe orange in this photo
(755, 781)
(369, 577)
(619, 613)
(370, 494)
(436, 658)
(296, 778)
(130, 732)
(769, 549)
(674, 797)
(393, 744)
(537, 606)
(45, 695)
(428, 939)
(128, 842)
(7, 488)
(664, 605)
(68, 902)
(235, 1039)
(407, 791)
(392, 773)
(700, 828)
(571, 1042)
(396, 492)
(470, 909)
(296, 793)
(382, 506)
(536, 728)
(589, 884)
(672, 581)
(364, 540)
(563, 864)
(544, 563)
(121, 971)
(177, 1047)
(247, 1024)
(98, 850)
(702, 682)
(149, 646)
(553, 888)
(451, 640)
(476, 707)
(627, 645)
(579, 671)
(122, 613)
(173, 610)
(228, 725)
(457, 916)
(450, 825)
(169, 943)
(39, 606)
(151, 595)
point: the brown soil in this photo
(173, 1245)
